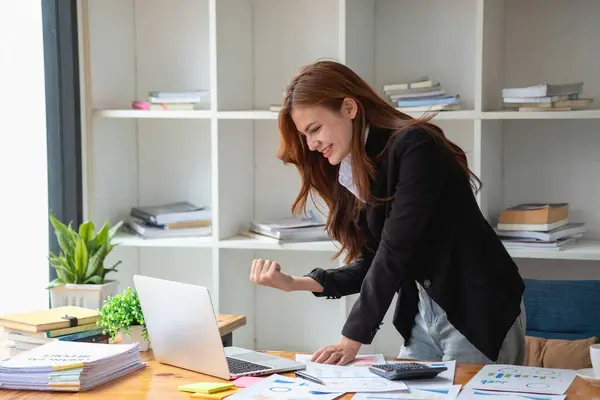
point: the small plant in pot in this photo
(122, 314)
(81, 274)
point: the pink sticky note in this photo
(246, 381)
(364, 361)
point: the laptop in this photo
(184, 332)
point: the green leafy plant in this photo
(82, 255)
(120, 312)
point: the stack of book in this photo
(186, 101)
(27, 331)
(179, 219)
(288, 230)
(421, 95)
(69, 366)
(538, 227)
(546, 97)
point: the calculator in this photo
(408, 370)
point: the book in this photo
(50, 319)
(171, 212)
(532, 227)
(422, 82)
(534, 213)
(544, 90)
(290, 229)
(55, 332)
(148, 231)
(569, 230)
(531, 244)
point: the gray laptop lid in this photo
(182, 325)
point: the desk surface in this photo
(229, 323)
(160, 381)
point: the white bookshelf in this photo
(245, 52)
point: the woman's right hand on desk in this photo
(268, 273)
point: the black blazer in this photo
(434, 233)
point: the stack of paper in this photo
(69, 366)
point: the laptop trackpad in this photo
(259, 358)
(254, 357)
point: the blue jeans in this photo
(434, 338)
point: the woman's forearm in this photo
(306, 283)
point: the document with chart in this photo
(512, 378)
(351, 379)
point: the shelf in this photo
(578, 114)
(173, 114)
(272, 115)
(587, 249)
(242, 242)
(447, 115)
(248, 114)
(132, 240)
(266, 114)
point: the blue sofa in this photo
(562, 309)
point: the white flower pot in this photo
(87, 296)
(136, 336)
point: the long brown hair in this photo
(328, 83)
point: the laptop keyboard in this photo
(241, 367)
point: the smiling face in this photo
(327, 131)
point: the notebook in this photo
(50, 319)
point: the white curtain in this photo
(23, 159)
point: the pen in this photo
(302, 375)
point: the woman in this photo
(401, 204)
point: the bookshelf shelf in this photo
(247, 114)
(587, 250)
(132, 240)
(449, 115)
(171, 114)
(246, 51)
(242, 242)
(579, 114)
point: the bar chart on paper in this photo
(470, 394)
(522, 379)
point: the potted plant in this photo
(122, 314)
(81, 275)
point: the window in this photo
(23, 159)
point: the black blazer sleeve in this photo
(422, 173)
(348, 279)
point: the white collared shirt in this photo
(345, 172)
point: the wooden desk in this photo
(227, 324)
(159, 381)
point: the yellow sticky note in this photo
(205, 387)
(216, 396)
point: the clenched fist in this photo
(268, 273)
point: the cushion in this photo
(561, 309)
(559, 353)
(534, 356)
